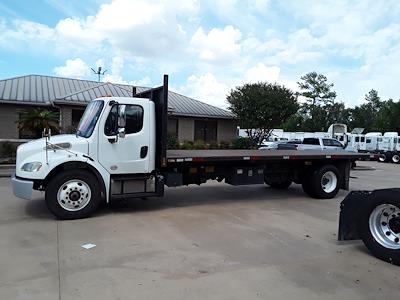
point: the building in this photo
(189, 119)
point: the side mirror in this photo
(121, 132)
(121, 116)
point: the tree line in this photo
(263, 106)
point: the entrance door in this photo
(129, 154)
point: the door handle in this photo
(143, 151)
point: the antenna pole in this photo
(99, 73)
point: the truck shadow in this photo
(209, 195)
(189, 196)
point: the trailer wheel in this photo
(283, 185)
(73, 194)
(380, 229)
(396, 158)
(323, 183)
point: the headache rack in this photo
(159, 96)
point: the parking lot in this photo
(210, 242)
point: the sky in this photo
(207, 47)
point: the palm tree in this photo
(35, 120)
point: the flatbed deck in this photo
(177, 156)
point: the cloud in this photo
(132, 27)
(114, 75)
(75, 68)
(206, 88)
(223, 43)
(213, 90)
(262, 73)
(218, 45)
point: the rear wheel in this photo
(73, 194)
(380, 229)
(396, 158)
(323, 183)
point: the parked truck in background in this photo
(119, 151)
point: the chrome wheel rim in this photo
(396, 158)
(74, 195)
(382, 157)
(384, 223)
(329, 182)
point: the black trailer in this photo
(321, 173)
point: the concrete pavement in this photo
(210, 242)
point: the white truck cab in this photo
(115, 136)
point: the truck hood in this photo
(37, 148)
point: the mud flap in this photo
(353, 207)
(350, 213)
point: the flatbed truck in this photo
(120, 151)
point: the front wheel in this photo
(73, 194)
(382, 157)
(380, 229)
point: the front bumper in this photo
(22, 188)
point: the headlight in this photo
(32, 166)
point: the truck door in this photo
(129, 153)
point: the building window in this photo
(172, 127)
(205, 131)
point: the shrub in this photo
(213, 145)
(242, 143)
(225, 145)
(172, 142)
(200, 145)
(186, 145)
(7, 152)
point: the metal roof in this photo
(49, 90)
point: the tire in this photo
(382, 157)
(73, 194)
(381, 235)
(323, 183)
(283, 185)
(396, 158)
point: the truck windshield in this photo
(89, 118)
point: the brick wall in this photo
(65, 118)
(9, 114)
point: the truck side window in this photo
(311, 141)
(336, 143)
(326, 142)
(111, 126)
(134, 118)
